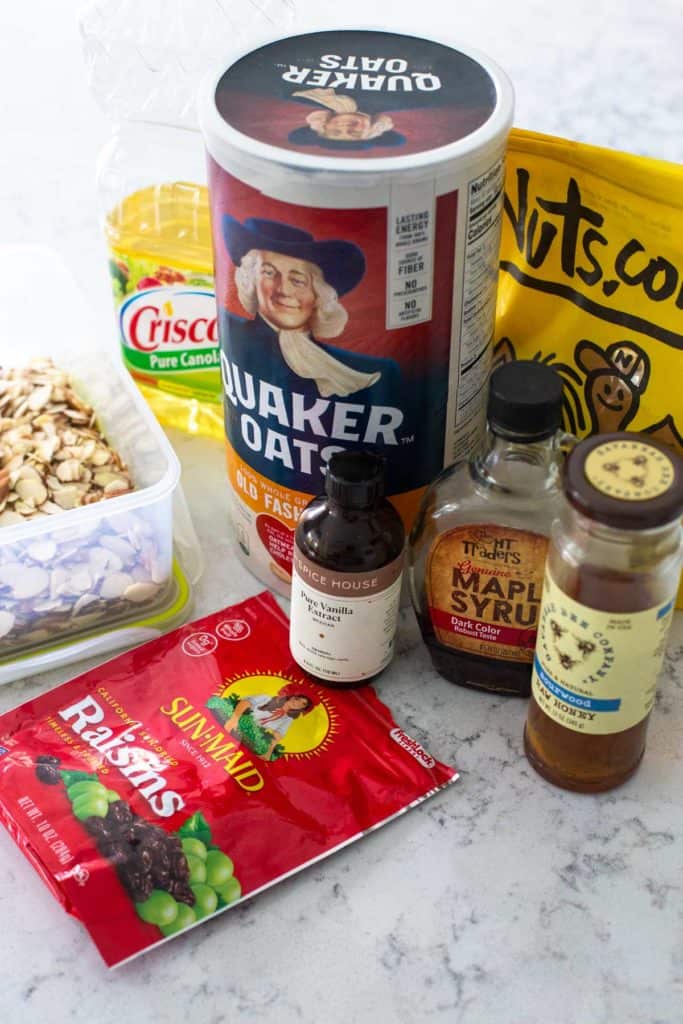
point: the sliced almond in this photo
(25, 508)
(77, 417)
(58, 580)
(45, 448)
(79, 582)
(28, 472)
(32, 491)
(42, 550)
(9, 518)
(139, 592)
(115, 585)
(83, 602)
(40, 397)
(117, 487)
(67, 497)
(69, 470)
(30, 582)
(121, 547)
(105, 476)
(10, 572)
(49, 508)
(100, 457)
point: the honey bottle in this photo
(479, 544)
(613, 567)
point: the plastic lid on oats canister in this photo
(349, 101)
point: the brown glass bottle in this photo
(347, 571)
(479, 544)
(611, 577)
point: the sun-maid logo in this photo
(170, 328)
(274, 716)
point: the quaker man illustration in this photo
(290, 285)
(341, 125)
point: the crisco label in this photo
(596, 672)
(484, 588)
(168, 327)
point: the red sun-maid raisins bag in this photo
(187, 774)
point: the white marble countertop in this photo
(501, 901)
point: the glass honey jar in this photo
(611, 577)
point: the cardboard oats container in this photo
(356, 191)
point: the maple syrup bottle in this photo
(347, 572)
(478, 548)
(613, 568)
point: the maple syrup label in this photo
(596, 672)
(630, 470)
(484, 587)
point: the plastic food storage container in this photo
(111, 636)
(99, 565)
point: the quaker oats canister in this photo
(356, 191)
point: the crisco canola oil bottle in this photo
(161, 273)
(144, 65)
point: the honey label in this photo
(484, 586)
(596, 672)
(629, 470)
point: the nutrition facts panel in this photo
(410, 249)
(482, 228)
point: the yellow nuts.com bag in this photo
(591, 281)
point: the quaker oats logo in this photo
(274, 716)
(629, 470)
(573, 648)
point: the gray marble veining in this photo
(501, 900)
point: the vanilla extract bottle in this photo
(479, 544)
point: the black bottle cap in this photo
(626, 481)
(355, 479)
(525, 400)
